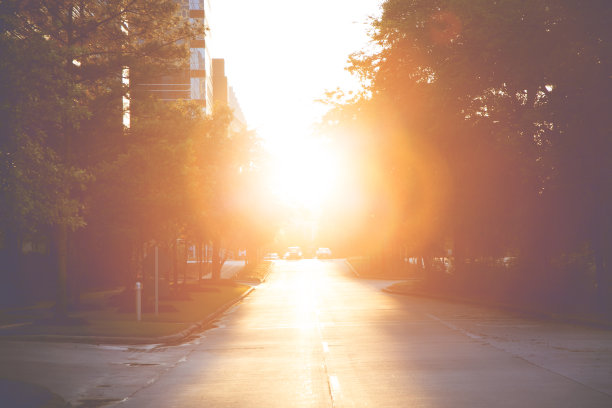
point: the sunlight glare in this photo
(305, 171)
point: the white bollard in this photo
(138, 301)
(156, 281)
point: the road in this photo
(315, 336)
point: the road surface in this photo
(315, 336)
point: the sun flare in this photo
(305, 172)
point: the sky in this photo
(282, 55)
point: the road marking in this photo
(325, 347)
(334, 389)
(453, 327)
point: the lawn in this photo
(254, 272)
(365, 270)
(100, 315)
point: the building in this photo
(205, 80)
(224, 94)
(219, 79)
(194, 83)
(235, 106)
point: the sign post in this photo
(138, 301)
(156, 280)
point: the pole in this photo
(156, 280)
(138, 301)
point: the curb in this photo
(602, 324)
(265, 278)
(171, 338)
(256, 281)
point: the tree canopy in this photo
(486, 123)
(93, 192)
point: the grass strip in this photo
(254, 272)
(367, 270)
(100, 319)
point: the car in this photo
(324, 253)
(294, 253)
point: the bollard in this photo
(138, 301)
(156, 281)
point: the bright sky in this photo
(282, 55)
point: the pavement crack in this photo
(456, 328)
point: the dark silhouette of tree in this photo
(487, 121)
(64, 62)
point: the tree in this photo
(506, 101)
(75, 53)
(36, 97)
(226, 156)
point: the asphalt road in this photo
(315, 336)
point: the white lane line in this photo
(453, 327)
(334, 389)
(325, 347)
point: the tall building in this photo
(194, 83)
(220, 91)
(235, 106)
(224, 94)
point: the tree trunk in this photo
(62, 228)
(62, 270)
(458, 254)
(199, 261)
(12, 289)
(183, 262)
(601, 273)
(216, 259)
(175, 264)
(75, 266)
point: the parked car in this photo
(294, 253)
(324, 253)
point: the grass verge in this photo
(541, 308)
(367, 270)
(254, 272)
(100, 316)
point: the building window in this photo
(198, 58)
(197, 88)
(196, 4)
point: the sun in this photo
(305, 171)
